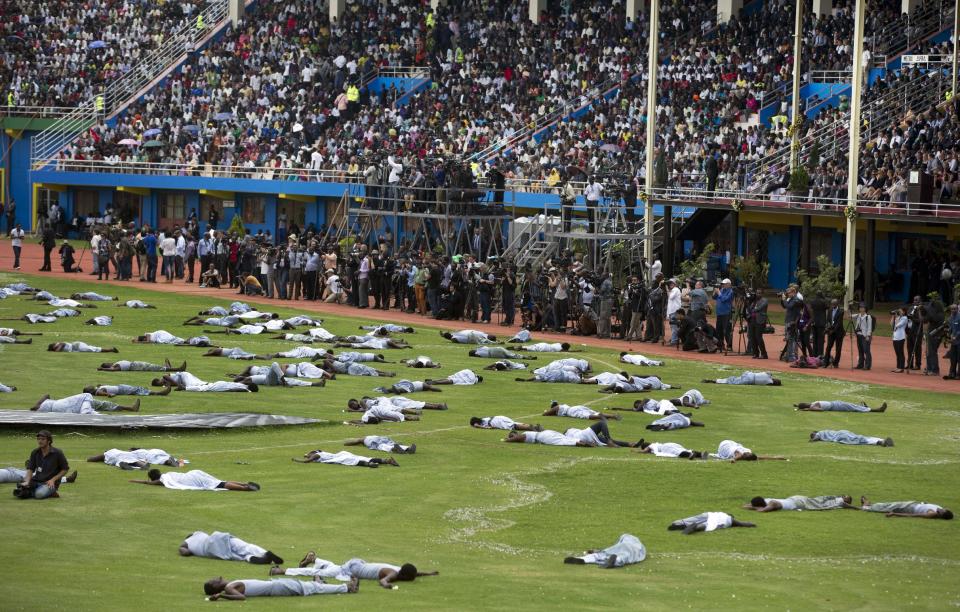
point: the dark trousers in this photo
(151, 269)
(309, 285)
(603, 432)
(104, 269)
(933, 344)
(954, 354)
(484, 306)
(724, 332)
(864, 358)
(834, 339)
(46, 258)
(898, 349)
(16, 256)
(817, 340)
(561, 311)
(759, 349)
(191, 263)
(914, 350)
(509, 307)
(654, 330)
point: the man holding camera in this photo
(933, 311)
(45, 467)
(835, 334)
(915, 334)
(637, 298)
(723, 296)
(792, 306)
(756, 323)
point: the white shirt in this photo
(727, 449)
(168, 246)
(592, 192)
(548, 437)
(16, 237)
(673, 301)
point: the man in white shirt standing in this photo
(592, 193)
(94, 249)
(16, 241)
(181, 252)
(393, 181)
(673, 305)
(168, 248)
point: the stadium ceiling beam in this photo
(140, 191)
(294, 197)
(216, 193)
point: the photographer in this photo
(559, 286)
(757, 323)
(45, 467)
(899, 322)
(486, 282)
(655, 306)
(698, 303)
(792, 306)
(818, 309)
(508, 295)
(723, 296)
(835, 334)
(637, 299)
(933, 312)
(863, 325)
(915, 334)
(953, 327)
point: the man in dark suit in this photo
(835, 333)
(818, 307)
(756, 323)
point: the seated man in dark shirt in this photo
(46, 466)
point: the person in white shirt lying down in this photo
(707, 521)
(502, 422)
(800, 502)
(345, 458)
(638, 360)
(304, 369)
(79, 347)
(383, 444)
(221, 545)
(115, 390)
(596, 435)
(135, 458)
(195, 385)
(577, 412)
(668, 449)
(461, 378)
(398, 402)
(141, 366)
(194, 480)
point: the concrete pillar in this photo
(336, 9)
(729, 8)
(236, 11)
(853, 151)
(869, 263)
(805, 258)
(667, 257)
(536, 7)
(822, 7)
(633, 9)
(734, 235)
(652, 64)
(908, 6)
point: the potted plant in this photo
(799, 185)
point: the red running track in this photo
(884, 360)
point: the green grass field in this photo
(495, 519)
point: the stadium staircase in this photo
(121, 92)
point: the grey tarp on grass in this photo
(212, 420)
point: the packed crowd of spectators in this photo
(285, 92)
(63, 52)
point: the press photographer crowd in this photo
(563, 295)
